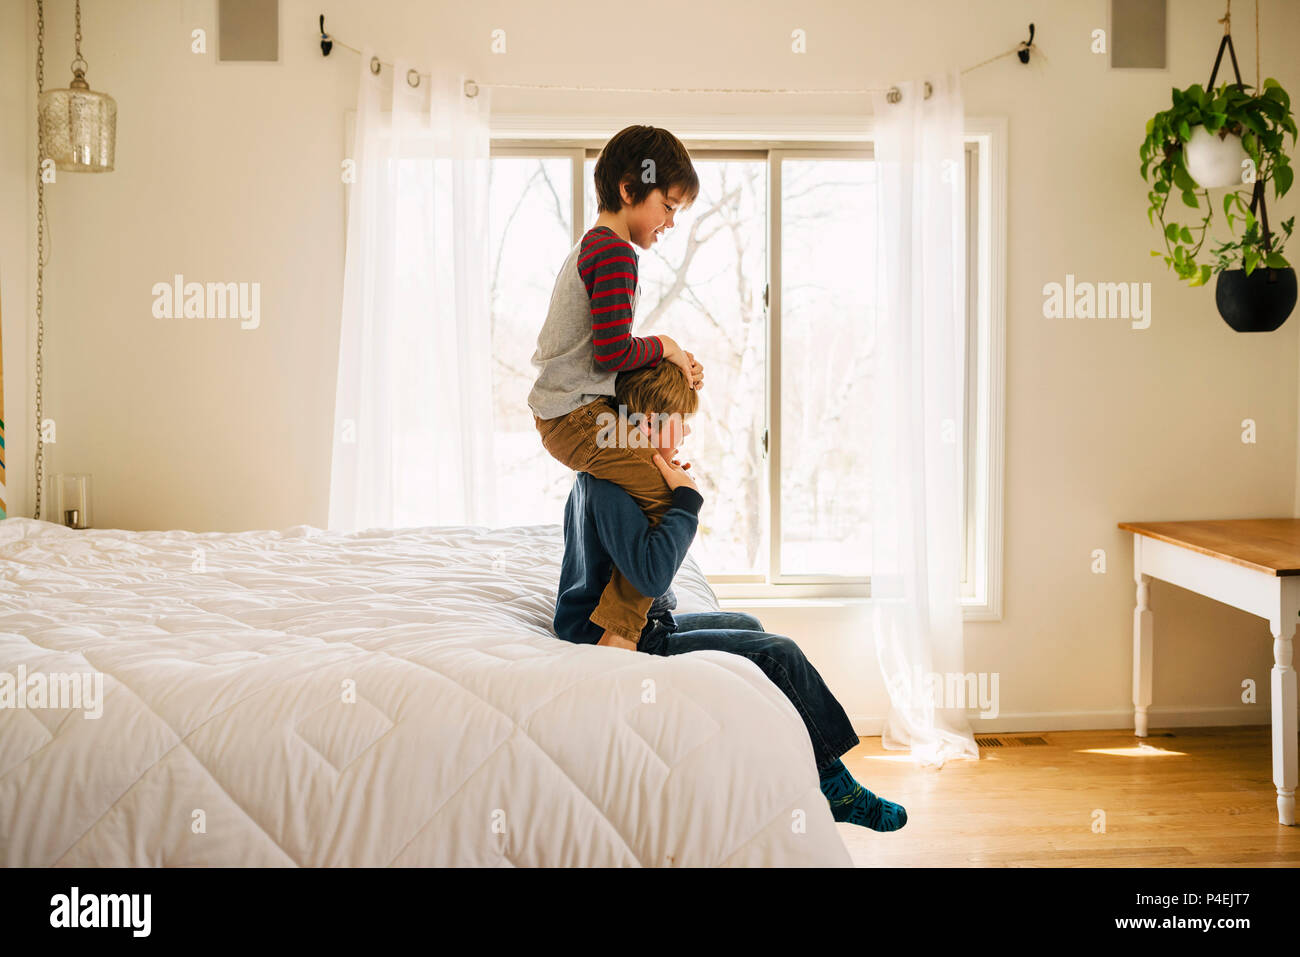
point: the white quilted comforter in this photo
(312, 698)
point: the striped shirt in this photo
(587, 338)
(608, 267)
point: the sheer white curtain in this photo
(413, 412)
(916, 419)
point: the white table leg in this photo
(1284, 720)
(1141, 647)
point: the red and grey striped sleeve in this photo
(608, 267)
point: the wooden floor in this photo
(1185, 797)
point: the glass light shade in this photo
(80, 128)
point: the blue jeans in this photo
(778, 657)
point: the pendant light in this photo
(78, 124)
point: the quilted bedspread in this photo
(390, 697)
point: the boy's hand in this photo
(695, 373)
(611, 640)
(675, 475)
(673, 353)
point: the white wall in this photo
(231, 172)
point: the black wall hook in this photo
(1023, 52)
(326, 44)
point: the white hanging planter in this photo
(1214, 162)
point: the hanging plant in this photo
(1200, 138)
(1199, 144)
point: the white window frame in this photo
(837, 135)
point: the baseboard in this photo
(870, 726)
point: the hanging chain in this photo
(1256, 47)
(79, 56)
(40, 255)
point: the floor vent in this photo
(987, 741)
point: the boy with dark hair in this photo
(643, 177)
(604, 530)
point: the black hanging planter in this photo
(1259, 302)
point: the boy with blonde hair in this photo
(605, 530)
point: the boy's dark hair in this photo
(623, 160)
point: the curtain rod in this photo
(1021, 49)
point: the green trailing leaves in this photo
(1261, 118)
(1282, 178)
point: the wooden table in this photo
(1252, 564)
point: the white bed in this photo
(476, 736)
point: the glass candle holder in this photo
(70, 497)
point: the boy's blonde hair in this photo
(658, 390)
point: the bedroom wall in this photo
(231, 172)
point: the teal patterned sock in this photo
(852, 803)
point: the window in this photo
(766, 279)
(531, 215)
(824, 312)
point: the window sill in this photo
(737, 601)
(973, 609)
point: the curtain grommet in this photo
(471, 88)
(374, 65)
(412, 78)
(895, 95)
(928, 89)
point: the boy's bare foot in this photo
(611, 640)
